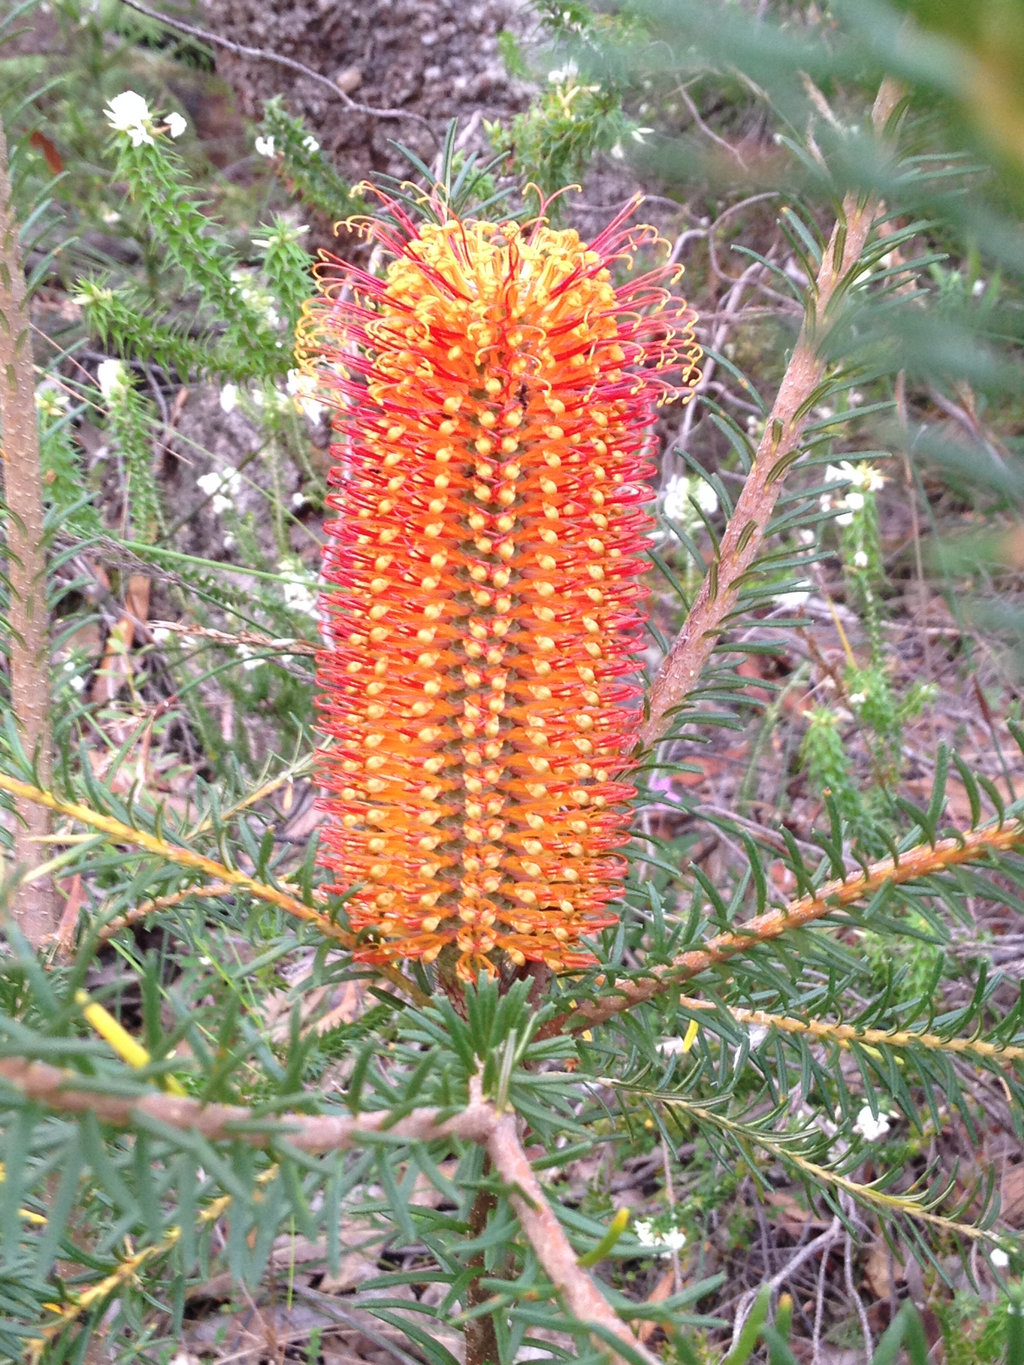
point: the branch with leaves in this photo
(841, 265)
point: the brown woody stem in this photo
(744, 536)
(34, 902)
(548, 1239)
(923, 861)
(60, 1090)
(481, 1340)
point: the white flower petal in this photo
(869, 1126)
(112, 378)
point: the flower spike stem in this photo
(493, 396)
(744, 536)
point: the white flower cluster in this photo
(869, 1125)
(129, 113)
(662, 1243)
(681, 492)
(254, 296)
(71, 669)
(113, 380)
(561, 75)
(303, 389)
(297, 586)
(858, 479)
(223, 487)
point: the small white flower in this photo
(176, 125)
(298, 500)
(310, 144)
(284, 234)
(641, 134)
(867, 1124)
(297, 588)
(129, 113)
(663, 1243)
(999, 1258)
(561, 75)
(977, 289)
(161, 635)
(858, 699)
(222, 487)
(111, 216)
(860, 559)
(254, 296)
(794, 598)
(265, 146)
(616, 153)
(864, 476)
(229, 397)
(112, 378)
(680, 490)
(839, 473)
(854, 501)
(303, 389)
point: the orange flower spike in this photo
(493, 395)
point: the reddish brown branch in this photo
(34, 903)
(61, 1090)
(481, 1337)
(923, 861)
(744, 536)
(548, 1239)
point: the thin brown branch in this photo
(61, 1090)
(744, 536)
(34, 902)
(923, 861)
(138, 913)
(548, 1239)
